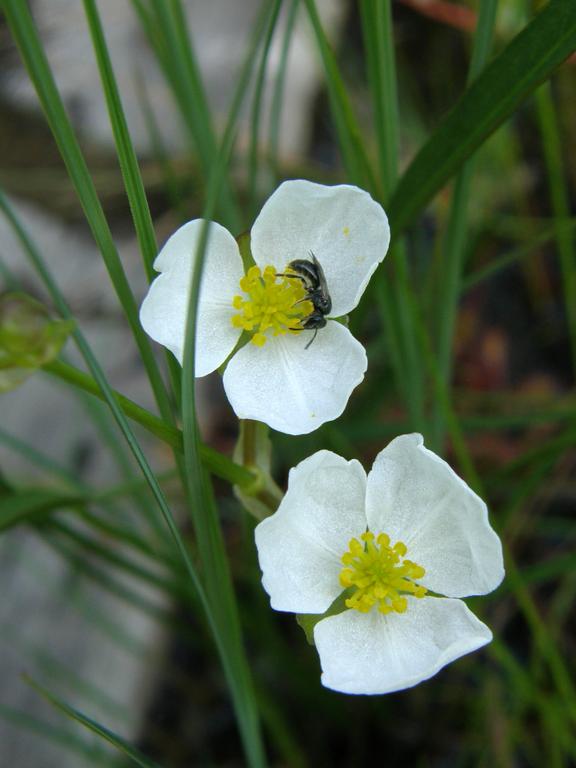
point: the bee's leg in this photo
(312, 339)
(291, 275)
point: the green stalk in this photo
(105, 553)
(350, 139)
(277, 98)
(255, 115)
(124, 148)
(217, 463)
(26, 37)
(454, 245)
(227, 629)
(394, 298)
(559, 197)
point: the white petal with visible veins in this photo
(415, 497)
(163, 311)
(376, 653)
(342, 225)
(300, 546)
(291, 388)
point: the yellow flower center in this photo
(380, 574)
(270, 302)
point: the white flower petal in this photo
(300, 546)
(372, 653)
(163, 311)
(415, 497)
(291, 388)
(343, 226)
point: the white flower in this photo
(337, 529)
(275, 378)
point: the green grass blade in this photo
(379, 45)
(256, 115)
(124, 148)
(105, 733)
(227, 631)
(26, 37)
(41, 460)
(107, 392)
(278, 95)
(164, 23)
(562, 228)
(455, 240)
(55, 734)
(30, 505)
(395, 294)
(348, 134)
(559, 197)
(510, 78)
(216, 462)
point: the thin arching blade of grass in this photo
(112, 586)
(543, 639)
(102, 383)
(348, 134)
(41, 460)
(201, 500)
(38, 263)
(116, 559)
(396, 319)
(256, 115)
(164, 22)
(454, 242)
(30, 505)
(507, 81)
(219, 464)
(559, 196)
(124, 148)
(65, 673)
(278, 95)
(216, 462)
(564, 228)
(381, 65)
(105, 733)
(98, 415)
(58, 736)
(28, 41)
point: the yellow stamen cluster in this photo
(380, 574)
(273, 302)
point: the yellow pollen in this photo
(270, 302)
(380, 574)
(346, 231)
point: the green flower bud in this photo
(29, 338)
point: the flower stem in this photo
(215, 462)
(254, 451)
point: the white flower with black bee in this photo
(395, 549)
(315, 248)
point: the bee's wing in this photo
(321, 276)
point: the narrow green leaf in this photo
(454, 243)
(216, 462)
(219, 588)
(30, 505)
(560, 198)
(511, 77)
(105, 733)
(350, 139)
(57, 735)
(125, 150)
(28, 41)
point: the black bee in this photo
(311, 274)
